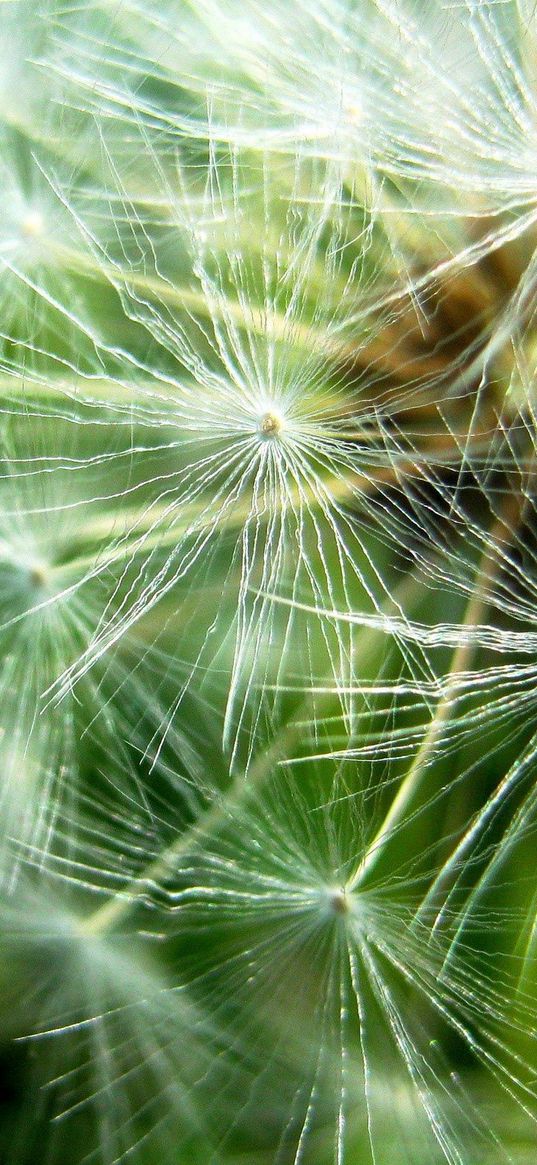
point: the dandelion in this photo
(267, 643)
(292, 430)
(332, 974)
(51, 600)
(341, 82)
(120, 1054)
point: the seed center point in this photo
(271, 424)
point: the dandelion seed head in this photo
(32, 225)
(353, 111)
(39, 575)
(22, 580)
(339, 900)
(271, 423)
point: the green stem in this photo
(410, 784)
(460, 661)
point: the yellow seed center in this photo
(271, 424)
(32, 226)
(38, 575)
(352, 112)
